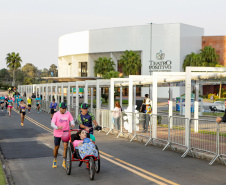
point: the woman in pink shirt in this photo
(117, 115)
(60, 122)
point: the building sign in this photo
(160, 64)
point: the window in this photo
(83, 69)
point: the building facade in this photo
(162, 47)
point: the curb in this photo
(6, 170)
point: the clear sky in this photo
(32, 27)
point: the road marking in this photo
(35, 122)
(117, 163)
(106, 154)
(134, 171)
(147, 172)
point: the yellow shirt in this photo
(29, 101)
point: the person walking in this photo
(60, 122)
(22, 107)
(117, 115)
(53, 107)
(143, 115)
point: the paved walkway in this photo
(28, 151)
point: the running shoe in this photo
(64, 165)
(54, 163)
(22, 124)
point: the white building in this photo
(165, 45)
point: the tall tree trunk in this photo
(13, 77)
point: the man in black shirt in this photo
(223, 119)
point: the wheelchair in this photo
(72, 154)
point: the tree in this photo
(4, 74)
(206, 58)
(53, 69)
(130, 62)
(13, 61)
(45, 73)
(20, 75)
(30, 70)
(103, 65)
(111, 74)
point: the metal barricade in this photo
(158, 128)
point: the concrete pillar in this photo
(134, 96)
(68, 96)
(62, 92)
(121, 96)
(51, 92)
(155, 101)
(111, 93)
(109, 98)
(196, 106)
(91, 97)
(86, 92)
(98, 93)
(47, 92)
(171, 104)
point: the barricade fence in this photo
(202, 135)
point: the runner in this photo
(10, 105)
(38, 103)
(18, 101)
(22, 108)
(2, 99)
(53, 106)
(16, 98)
(60, 122)
(85, 119)
(6, 103)
(29, 100)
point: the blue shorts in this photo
(57, 141)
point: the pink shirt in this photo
(76, 142)
(61, 120)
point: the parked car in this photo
(218, 106)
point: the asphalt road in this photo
(28, 151)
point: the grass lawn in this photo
(2, 175)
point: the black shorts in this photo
(2, 102)
(6, 105)
(24, 113)
(29, 105)
(37, 105)
(52, 111)
(57, 141)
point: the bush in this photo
(105, 96)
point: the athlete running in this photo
(38, 103)
(29, 100)
(2, 99)
(6, 103)
(16, 98)
(60, 122)
(86, 118)
(53, 107)
(22, 108)
(18, 101)
(10, 105)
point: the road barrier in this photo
(202, 135)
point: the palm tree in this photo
(103, 65)
(53, 69)
(130, 62)
(210, 55)
(13, 61)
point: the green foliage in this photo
(206, 58)
(29, 70)
(13, 61)
(130, 62)
(103, 65)
(111, 74)
(27, 81)
(53, 68)
(4, 74)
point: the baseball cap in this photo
(63, 105)
(84, 106)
